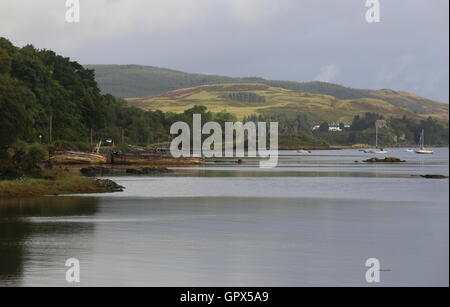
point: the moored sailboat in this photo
(423, 150)
(377, 150)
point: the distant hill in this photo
(135, 81)
(232, 98)
(413, 103)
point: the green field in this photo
(317, 107)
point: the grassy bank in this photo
(57, 182)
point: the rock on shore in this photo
(109, 185)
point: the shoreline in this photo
(56, 182)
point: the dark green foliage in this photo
(23, 159)
(27, 157)
(288, 123)
(18, 110)
(324, 127)
(365, 122)
(243, 97)
(325, 88)
(399, 131)
(64, 95)
(61, 145)
(5, 61)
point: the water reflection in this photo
(17, 231)
(312, 221)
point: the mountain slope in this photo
(413, 103)
(276, 100)
(136, 81)
(143, 81)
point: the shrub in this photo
(23, 159)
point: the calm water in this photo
(313, 221)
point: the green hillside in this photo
(134, 81)
(413, 103)
(143, 81)
(264, 99)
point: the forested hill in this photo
(47, 98)
(42, 91)
(134, 81)
(48, 95)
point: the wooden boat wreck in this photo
(75, 157)
(119, 158)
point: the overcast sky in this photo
(299, 40)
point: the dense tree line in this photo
(398, 131)
(44, 94)
(290, 124)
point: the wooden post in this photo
(51, 128)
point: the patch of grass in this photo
(56, 182)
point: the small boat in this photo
(377, 150)
(74, 157)
(409, 150)
(380, 151)
(304, 152)
(423, 150)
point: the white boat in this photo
(409, 150)
(377, 150)
(423, 150)
(380, 151)
(304, 152)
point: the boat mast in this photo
(422, 138)
(376, 135)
